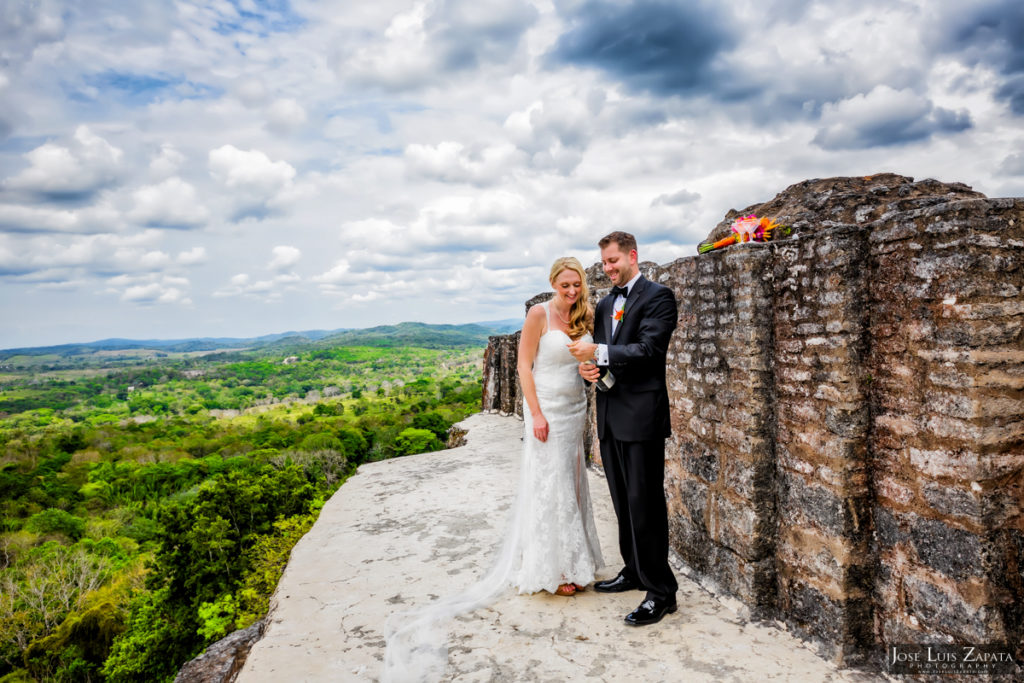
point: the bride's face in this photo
(567, 286)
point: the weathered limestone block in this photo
(946, 285)
(456, 437)
(223, 660)
(500, 379)
(719, 475)
(821, 438)
(537, 299)
(812, 205)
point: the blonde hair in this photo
(581, 315)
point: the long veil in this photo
(417, 640)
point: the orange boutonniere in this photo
(617, 315)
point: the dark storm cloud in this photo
(696, 48)
(665, 48)
(1013, 92)
(885, 120)
(989, 33)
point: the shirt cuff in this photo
(601, 355)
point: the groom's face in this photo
(618, 265)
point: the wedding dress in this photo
(557, 540)
(550, 537)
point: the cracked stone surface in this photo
(403, 532)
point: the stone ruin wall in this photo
(501, 387)
(848, 415)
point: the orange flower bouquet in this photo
(744, 229)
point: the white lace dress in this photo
(550, 537)
(555, 535)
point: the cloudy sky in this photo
(243, 167)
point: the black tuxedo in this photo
(632, 425)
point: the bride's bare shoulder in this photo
(536, 317)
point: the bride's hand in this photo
(589, 371)
(581, 350)
(540, 427)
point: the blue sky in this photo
(241, 168)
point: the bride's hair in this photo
(581, 316)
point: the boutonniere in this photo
(617, 315)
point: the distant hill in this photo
(503, 326)
(402, 334)
(413, 334)
(166, 345)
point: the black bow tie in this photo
(624, 291)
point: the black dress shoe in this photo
(619, 584)
(650, 612)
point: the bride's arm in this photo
(529, 341)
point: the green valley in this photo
(150, 496)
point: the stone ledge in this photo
(402, 532)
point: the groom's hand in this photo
(581, 350)
(589, 372)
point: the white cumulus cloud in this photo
(101, 217)
(249, 170)
(270, 289)
(155, 293)
(172, 203)
(254, 181)
(85, 164)
(284, 257)
(192, 256)
(452, 162)
(168, 162)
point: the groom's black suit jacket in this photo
(636, 408)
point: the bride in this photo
(557, 540)
(550, 543)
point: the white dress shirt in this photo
(601, 355)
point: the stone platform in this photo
(402, 532)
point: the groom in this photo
(632, 327)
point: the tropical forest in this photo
(150, 494)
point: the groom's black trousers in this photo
(636, 479)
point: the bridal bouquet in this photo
(744, 229)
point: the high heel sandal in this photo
(566, 589)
